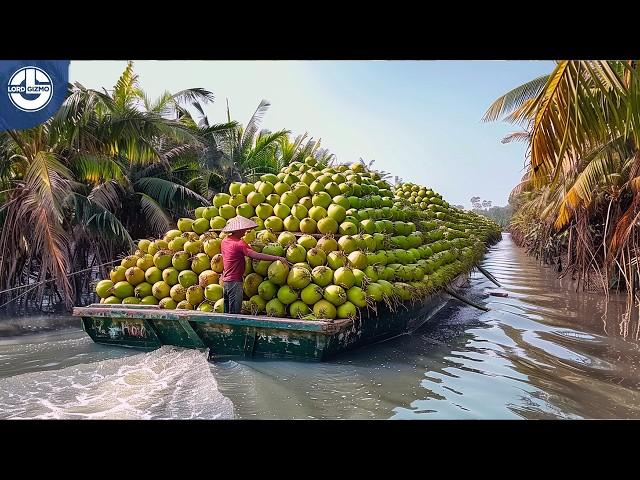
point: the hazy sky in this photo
(419, 120)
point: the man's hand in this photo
(286, 262)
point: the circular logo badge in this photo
(30, 89)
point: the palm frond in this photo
(252, 127)
(95, 168)
(168, 194)
(513, 99)
(126, 89)
(99, 220)
(193, 96)
(159, 220)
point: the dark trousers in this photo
(232, 297)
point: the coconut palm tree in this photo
(582, 124)
(249, 152)
(108, 167)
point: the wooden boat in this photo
(148, 327)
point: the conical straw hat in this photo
(239, 223)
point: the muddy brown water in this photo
(544, 351)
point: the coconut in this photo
(308, 225)
(170, 235)
(372, 273)
(267, 290)
(221, 199)
(144, 244)
(274, 223)
(328, 225)
(296, 253)
(186, 278)
(218, 222)
(208, 277)
(129, 261)
(358, 260)
(311, 294)
(335, 294)
(274, 249)
(200, 263)
(328, 244)
(170, 276)
(289, 199)
(217, 264)
(336, 260)
(218, 307)
(145, 262)
(112, 300)
(317, 213)
(273, 199)
(213, 292)
(153, 275)
(284, 239)
(344, 277)
(348, 228)
(307, 241)
(122, 290)
(306, 202)
(298, 278)
(180, 261)
(150, 300)
(281, 187)
(316, 257)
(168, 303)
(322, 275)
(117, 274)
(261, 267)
(103, 288)
(324, 309)
(142, 290)
(299, 211)
(287, 295)
(275, 308)
(185, 224)
(257, 304)
(251, 283)
(184, 305)
(278, 272)
(178, 293)
(193, 247)
(357, 296)
(346, 310)
(299, 309)
(205, 307)
(264, 211)
(195, 294)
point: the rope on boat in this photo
(34, 285)
(488, 275)
(465, 300)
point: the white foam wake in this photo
(168, 383)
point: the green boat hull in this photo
(232, 336)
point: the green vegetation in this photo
(578, 203)
(113, 166)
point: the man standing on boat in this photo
(234, 249)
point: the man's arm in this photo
(263, 256)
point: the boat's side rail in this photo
(155, 313)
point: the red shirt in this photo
(233, 253)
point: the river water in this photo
(544, 351)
